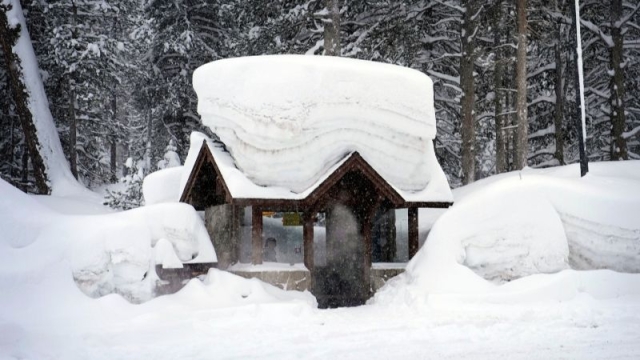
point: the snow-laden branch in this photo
(432, 39)
(631, 133)
(551, 129)
(596, 30)
(540, 70)
(618, 24)
(449, 78)
(549, 99)
(450, 5)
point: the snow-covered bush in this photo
(128, 194)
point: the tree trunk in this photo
(147, 153)
(12, 155)
(498, 74)
(332, 28)
(559, 107)
(618, 142)
(73, 152)
(521, 84)
(10, 148)
(73, 128)
(510, 118)
(467, 85)
(112, 140)
(25, 168)
(8, 38)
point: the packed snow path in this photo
(582, 328)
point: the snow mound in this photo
(497, 242)
(110, 253)
(223, 289)
(511, 226)
(287, 120)
(162, 186)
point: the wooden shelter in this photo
(353, 189)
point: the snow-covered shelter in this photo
(309, 135)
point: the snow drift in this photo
(109, 253)
(510, 226)
(286, 120)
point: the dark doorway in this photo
(344, 281)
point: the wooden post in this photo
(367, 239)
(368, 242)
(256, 235)
(237, 233)
(414, 242)
(307, 234)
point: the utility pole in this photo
(579, 80)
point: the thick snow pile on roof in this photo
(535, 221)
(104, 253)
(287, 120)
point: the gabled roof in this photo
(355, 162)
(215, 180)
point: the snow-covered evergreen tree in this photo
(171, 157)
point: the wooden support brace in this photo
(414, 242)
(256, 235)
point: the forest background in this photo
(117, 75)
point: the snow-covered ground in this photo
(518, 228)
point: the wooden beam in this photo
(256, 235)
(307, 234)
(427, 204)
(414, 241)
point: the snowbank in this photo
(286, 120)
(109, 253)
(510, 226)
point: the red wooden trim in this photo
(414, 241)
(256, 235)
